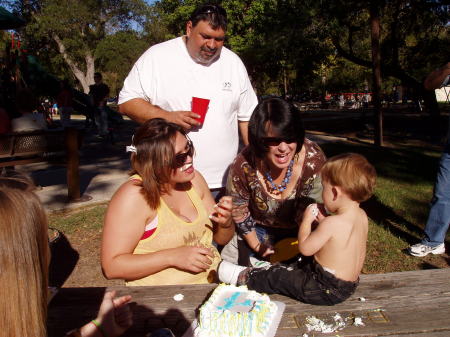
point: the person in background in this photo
(341, 101)
(160, 225)
(25, 258)
(29, 120)
(65, 103)
(439, 217)
(272, 180)
(167, 76)
(333, 252)
(99, 92)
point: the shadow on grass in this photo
(427, 265)
(385, 216)
(411, 166)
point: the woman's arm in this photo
(220, 213)
(124, 224)
(238, 189)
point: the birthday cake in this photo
(235, 311)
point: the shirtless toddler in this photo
(333, 253)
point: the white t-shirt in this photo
(166, 76)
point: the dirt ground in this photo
(87, 272)
(76, 261)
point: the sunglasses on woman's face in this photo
(275, 141)
(180, 158)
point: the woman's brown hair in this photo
(24, 257)
(153, 160)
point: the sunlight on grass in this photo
(385, 252)
(90, 218)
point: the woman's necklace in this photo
(278, 189)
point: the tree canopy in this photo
(66, 34)
(287, 46)
(415, 35)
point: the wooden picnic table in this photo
(415, 303)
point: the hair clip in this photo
(131, 148)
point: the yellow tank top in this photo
(173, 232)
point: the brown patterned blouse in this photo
(253, 206)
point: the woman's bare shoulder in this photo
(130, 197)
(199, 183)
(129, 189)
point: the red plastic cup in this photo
(200, 107)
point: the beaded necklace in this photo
(280, 188)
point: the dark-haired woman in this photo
(273, 179)
(160, 224)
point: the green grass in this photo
(397, 211)
(86, 219)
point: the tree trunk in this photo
(85, 79)
(376, 71)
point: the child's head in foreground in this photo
(352, 173)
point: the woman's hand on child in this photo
(114, 315)
(222, 212)
(192, 259)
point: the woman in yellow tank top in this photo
(160, 224)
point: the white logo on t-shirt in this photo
(226, 86)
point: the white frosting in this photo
(178, 297)
(235, 312)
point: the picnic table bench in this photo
(21, 148)
(413, 303)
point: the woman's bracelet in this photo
(99, 327)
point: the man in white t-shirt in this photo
(167, 76)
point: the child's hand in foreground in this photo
(322, 212)
(115, 315)
(311, 213)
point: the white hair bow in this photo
(131, 148)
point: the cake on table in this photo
(235, 311)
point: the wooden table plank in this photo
(413, 303)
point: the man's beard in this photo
(209, 59)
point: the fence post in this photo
(73, 163)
